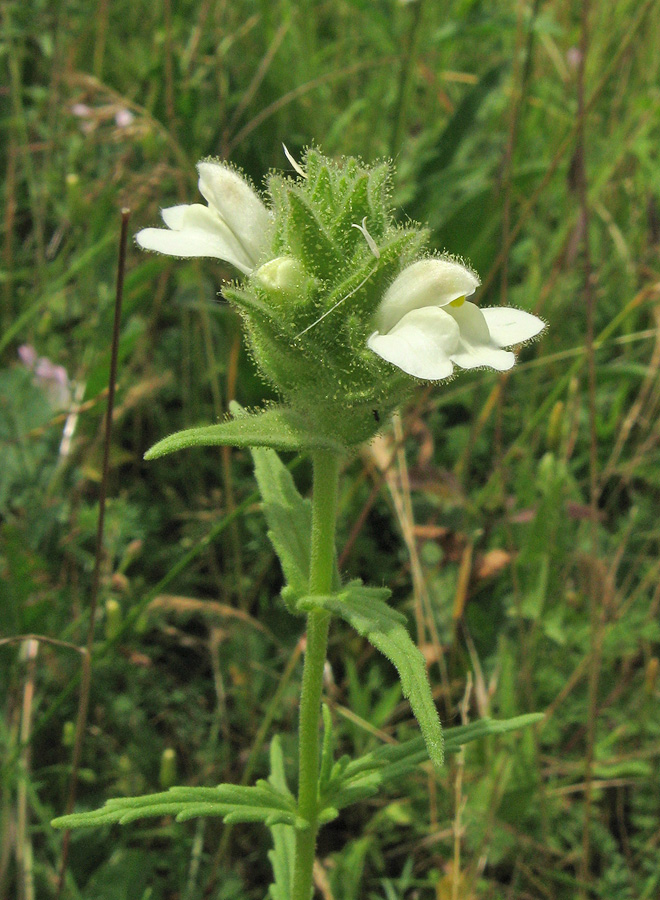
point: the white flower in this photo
(425, 326)
(235, 226)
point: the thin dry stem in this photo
(81, 722)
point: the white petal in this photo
(188, 243)
(420, 344)
(196, 231)
(174, 216)
(238, 205)
(509, 326)
(194, 215)
(428, 282)
(475, 347)
(183, 218)
(480, 356)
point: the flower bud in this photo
(113, 619)
(283, 278)
(555, 427)
(68, 733)
(552, 473)
(167, 775)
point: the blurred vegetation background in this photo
(515, 516)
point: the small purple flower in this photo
(28, 355)
(52, 378)
(124, 118)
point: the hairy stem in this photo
(324, 514)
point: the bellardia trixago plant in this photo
(344, 312)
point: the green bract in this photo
(310, 309)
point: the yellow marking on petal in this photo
(459, 301)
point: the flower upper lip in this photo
(425, 327)
(235, 226)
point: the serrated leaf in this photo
(276, 427)
(366, 610)
(364, 777)
(233, 803)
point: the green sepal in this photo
(308, 238)
(315, 166)
(380, 186)
(322, 188)
(276, 427)
(359, 284)
(365, 609)
(231, 802)
(356, 207)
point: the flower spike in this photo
(337, 331)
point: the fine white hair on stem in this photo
(338, 303)
(371, 243)
(297, 167)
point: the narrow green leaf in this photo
(275, 427)
(458, 127)
(366, 610)
(289, 519)
(327, 749)
(277, 773)
(355, 792)
(282, 856)
(463, 734)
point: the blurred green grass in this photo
(521, 600)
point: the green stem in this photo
(324, 515)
